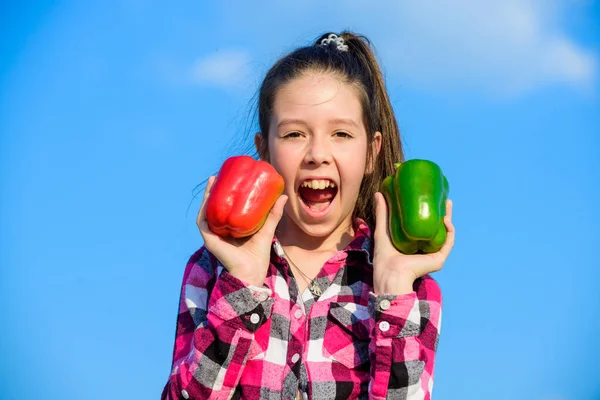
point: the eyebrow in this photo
(344, 121)
(335, 121)
(290, 121)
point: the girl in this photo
(318, 304)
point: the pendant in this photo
(315, 290)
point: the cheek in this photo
(355, 164)
(280, 162)
(355, 160)
(285, 164)
(275, 157)
(351, 178)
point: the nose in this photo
(318, 152)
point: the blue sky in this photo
(111, 113)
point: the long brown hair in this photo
(357, 66)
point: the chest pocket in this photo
(258, 347)
(347, 334)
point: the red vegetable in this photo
(242, 195)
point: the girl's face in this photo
(318, 143)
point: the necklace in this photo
(312, 286)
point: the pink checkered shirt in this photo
(239, 341)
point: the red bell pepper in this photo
(242, 195)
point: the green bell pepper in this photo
(416, 197)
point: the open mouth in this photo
(317, 194)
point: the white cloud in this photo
(502, 47)
(224, 68)
(506, 47)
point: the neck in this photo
(290, 235)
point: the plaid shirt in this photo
(235, 340)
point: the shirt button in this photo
(262, 296)
(384, 326)
(384, 304)
(185, 394)
(254, 318)
(298, 314)
(295, 357)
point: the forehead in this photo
(317, 97)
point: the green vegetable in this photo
(416, 197)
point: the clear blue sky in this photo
(112, 112)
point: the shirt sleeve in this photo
(218, 315)
(404, 341)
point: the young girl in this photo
(318, 304)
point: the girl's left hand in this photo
(395, 272)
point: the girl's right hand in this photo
(247, 258)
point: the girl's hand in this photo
(247, 258)
(395, 272)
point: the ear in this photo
(375, 148)
(262, 146)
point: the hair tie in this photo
(339, 42)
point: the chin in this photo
(320, 230)
(322, 227)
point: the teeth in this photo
(318, 184)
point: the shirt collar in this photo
(362, 243)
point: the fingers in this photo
(201, 219)
(274, 217)
(447, 247)
(449, 208)
(381, 218)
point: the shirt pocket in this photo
(260, 342)
(347, 334)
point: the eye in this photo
(291, 135)
(343, 134)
